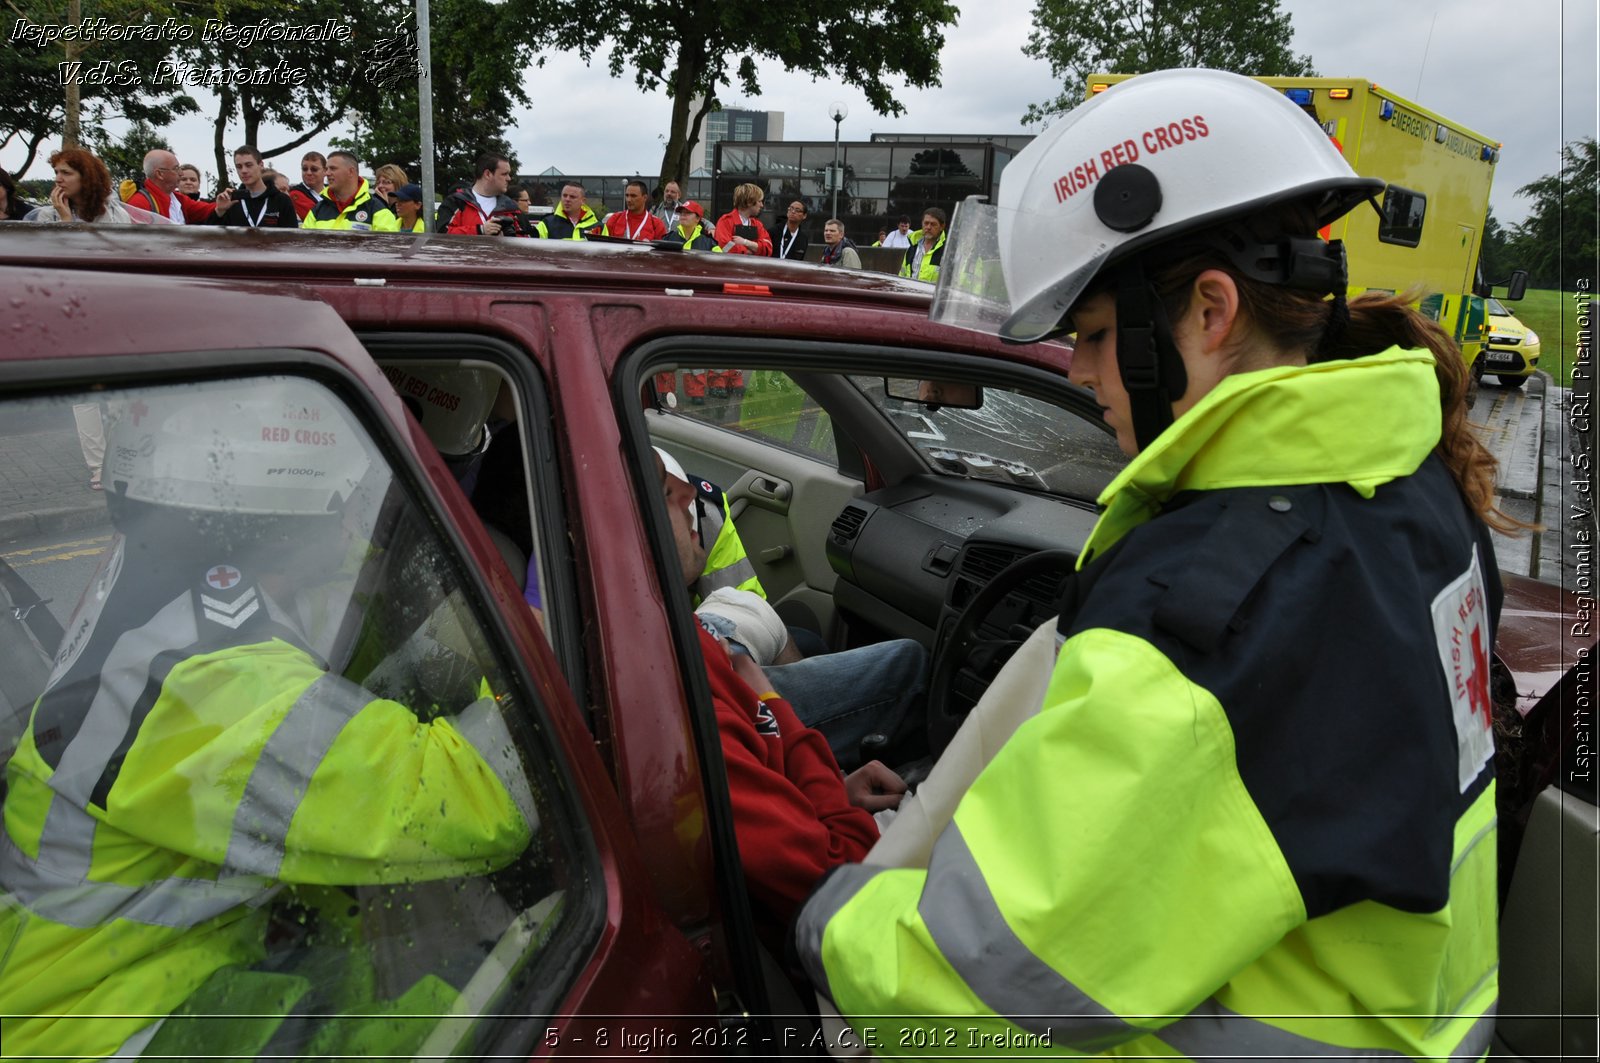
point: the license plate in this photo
(1500, 358)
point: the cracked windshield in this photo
(1009, 438)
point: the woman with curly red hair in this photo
(82, 191)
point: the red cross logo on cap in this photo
(222, 577)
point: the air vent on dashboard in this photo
(848, 523)
(983, 563)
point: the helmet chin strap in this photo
(1151, 368)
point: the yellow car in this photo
(1511, 351)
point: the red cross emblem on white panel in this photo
(222, 577)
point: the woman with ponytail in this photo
(1258, 786)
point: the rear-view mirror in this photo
(935, 393)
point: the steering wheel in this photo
(976, 659)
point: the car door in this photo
(488, 899)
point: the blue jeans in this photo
(854, 693)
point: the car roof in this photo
(307, 254)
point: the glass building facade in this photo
(883, 179)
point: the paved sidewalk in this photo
(1525, 429)
(44, 483)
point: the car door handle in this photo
(769, 489)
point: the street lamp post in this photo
(425, 106)
(837, 111)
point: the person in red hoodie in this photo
(794, 815)
(635, 223)
(740, 231)
(160, 195)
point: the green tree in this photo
(1556, 242)
(1495, 256)
(479, 51)
(1082, 37)
(34, 109)
(124, 156)
(694, 49)
(313, 84)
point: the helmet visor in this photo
(973, 292)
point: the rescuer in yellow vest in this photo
(195, 757)
(1252, 813)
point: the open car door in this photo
(291, 748)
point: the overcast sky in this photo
(1523, 73)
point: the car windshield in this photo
(1497, 308)
(1011, 439)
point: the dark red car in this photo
(868, 512)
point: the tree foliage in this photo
(1495, 253)
(1556, 242)
(333, 70)
(479, 52)
(33, 99)
(1083, 37)
(697, 48)
(124, 155)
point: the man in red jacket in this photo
(477, 211)
(635, 223)
(160, 195)
(794, 815)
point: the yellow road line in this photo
(57, 546)
(95, 551)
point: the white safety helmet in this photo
(451, 404)
(674, 469)
(1150, 159)
(280, 446)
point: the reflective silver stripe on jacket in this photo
(123, 679)
(731, 576)
(483, 727)
(973, 936)
(55, 886)
(837, 890)
(283, 772)
(1213, 1032)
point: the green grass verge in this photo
(1553, 315)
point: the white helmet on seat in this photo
(1152, 158)
(451, 404)
(268, 446)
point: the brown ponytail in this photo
(1322, 329)
(1379, 321)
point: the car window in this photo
(1497, 308)
(1011, 439)
(765, 403)
(262, 759)
(469, 410)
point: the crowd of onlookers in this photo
(332, 193)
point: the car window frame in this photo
(543, 467)
(575, 944)
(804, 360)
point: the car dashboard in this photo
(911, 557)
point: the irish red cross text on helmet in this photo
(1194, 147)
